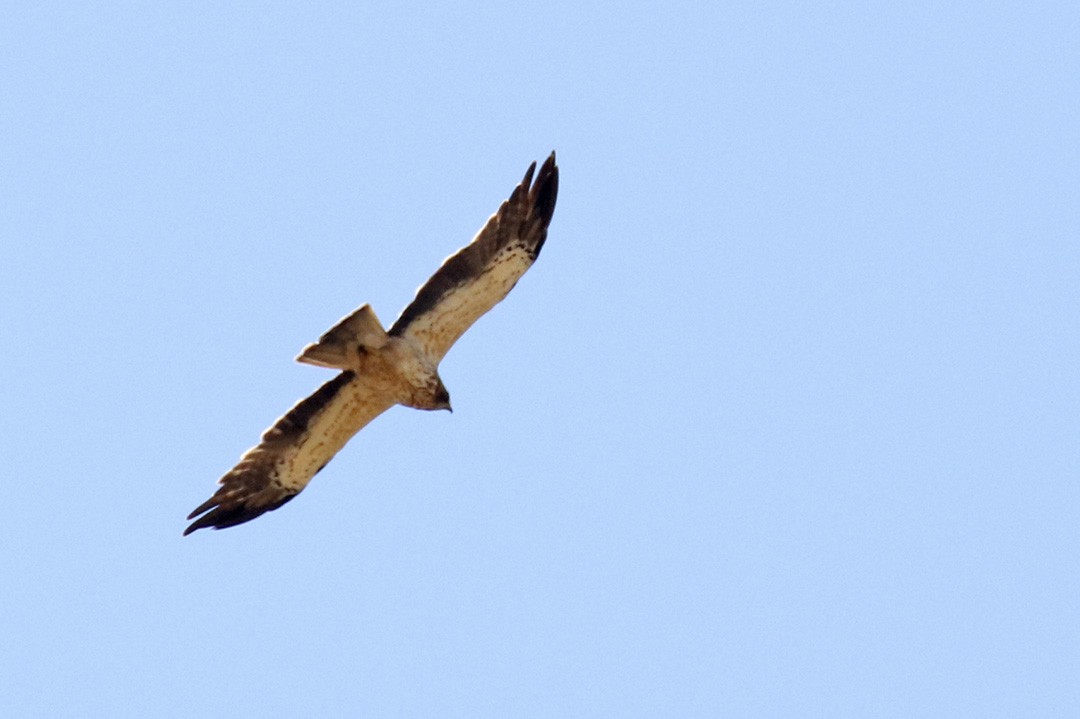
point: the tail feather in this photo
(339, 348)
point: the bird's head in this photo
(430, 395)
(442, 398)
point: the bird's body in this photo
(379, 368)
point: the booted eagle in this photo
(380, 369)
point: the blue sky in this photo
(782, 423)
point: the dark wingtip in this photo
(207, 520)
(204, 507)
(527, 180)
(546, 189)
(221, 517)
(208, 504)
(195, 526)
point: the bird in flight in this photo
(380, 368)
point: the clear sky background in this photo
(784, 422)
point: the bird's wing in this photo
(481, 274)
(291, 452)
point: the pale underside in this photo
(439, 329)
(355, 405)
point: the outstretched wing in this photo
(476, 279)
(291, 452)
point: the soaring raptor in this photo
(380, 369)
